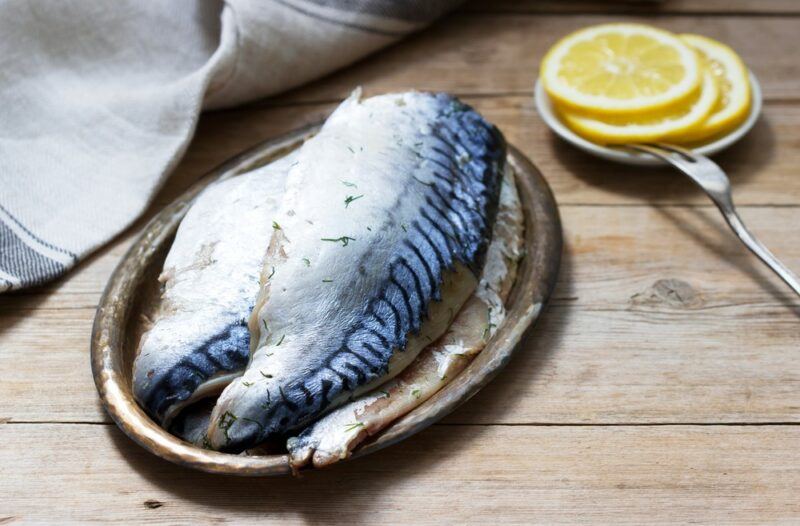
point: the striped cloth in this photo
(99, 100)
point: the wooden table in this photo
(663, 384)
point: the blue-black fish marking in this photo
(464, 170)
(228, 350)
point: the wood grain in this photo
(645, 7)
(487, 54)
(620, 344)
(445, 475)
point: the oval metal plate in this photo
(132, 292)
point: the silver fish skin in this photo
(199, 341)
(379, 240)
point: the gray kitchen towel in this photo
(98, 100)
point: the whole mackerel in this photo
(379, 240)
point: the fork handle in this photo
(755, 246)
(718, 189)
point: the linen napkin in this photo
(99, 100)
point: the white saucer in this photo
(545, 108)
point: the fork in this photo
(710, 177)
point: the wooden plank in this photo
(652, 7)
(445, 475)
(621, 343)
(497, 53)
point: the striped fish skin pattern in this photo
(199, 340)
(334, 436)
(380, 238)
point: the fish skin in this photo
(334, 436)
(198, 340)
(382, 231)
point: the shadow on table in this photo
(718, 239)
(742, 162)
(500, 400)
(664, 186)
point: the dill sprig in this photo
(225, 422)
(344, 240)
(353, 426)
(350, 198)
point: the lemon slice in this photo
(731, 75)
(671, 125)
(620, 68)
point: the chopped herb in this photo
(207, 442)
(415, 393)
(351, 185)
(281, 340)
(327, 280)
(276, 226)
(369, 228)
(247, 384)
(225, 422)
(351, 149)
(344, 240)
(488, 329)
(403, 226)
(386, 394)
(271, 273)
(353, 426)
(265, 325)
(417, 144)
(265, 375)
(350, 198)
(307, 262)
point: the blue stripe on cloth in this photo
(21, 261)
(37, 238)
